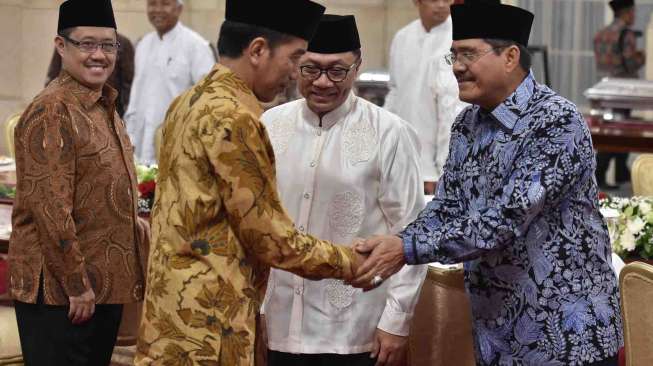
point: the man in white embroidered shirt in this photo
(168, 61)
(345, 169)
(423, 89)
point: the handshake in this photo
(375, 260)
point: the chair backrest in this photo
(158, 139)
(10, 351)
(642, 175)
(441, 329)
(10, 126)
(636, 286)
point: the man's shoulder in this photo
(192, 36)
(551, 109)
(204, 109)
(142, 43)
(285, 109)
(49, 103)
(406, 31)
(147, 38)
(386, 121)
(547, 100)
(610, 30)
(54, 96)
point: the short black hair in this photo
(357, 53)
(620, 12)
(66, 32)
(525, 59)
(236, 36)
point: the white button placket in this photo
(297, 314)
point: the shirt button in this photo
(307, 195)
(313, 164)
(301, 228)
(319, 133)
(299, 291)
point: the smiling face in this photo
(89, 69)
(322, 94)
(433, 12)
(163, 14)
(276, 68)
(481, 79)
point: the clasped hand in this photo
(385, 257)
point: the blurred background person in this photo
(615, 48)
(423, 89)
(168, 61)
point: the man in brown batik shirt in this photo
(76, 247)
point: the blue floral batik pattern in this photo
(518, 205)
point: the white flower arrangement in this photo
(630, 222)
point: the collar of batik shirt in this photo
(87, 96)
(508, 112)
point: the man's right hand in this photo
(430, 188)
(82, 307)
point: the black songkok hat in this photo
(86, 13)
(335, 34)
(617, 5)
(489, 19)
(295, 17)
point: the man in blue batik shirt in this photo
(518, 205)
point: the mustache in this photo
(463, 77)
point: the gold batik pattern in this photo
(218, 226)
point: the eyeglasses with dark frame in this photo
(335, 74)
(467, 58)
(92, 47)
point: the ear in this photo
(257, 50)
(59, 45)
(512, 55)
(360, 62)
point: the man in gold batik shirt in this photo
(218, 225)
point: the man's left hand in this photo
(386, 259)
(389, 349)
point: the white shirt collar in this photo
(331, 118)
(172, 34)
(446, 25)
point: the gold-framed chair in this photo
(10, 351)
(642, 175)
(441, 329)
(158, 139)
(636, 287)
(10, 126)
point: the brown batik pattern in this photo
(74, 217)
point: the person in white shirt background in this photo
(346, 169)
(168, 61)
(423, 88)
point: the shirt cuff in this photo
(431, 177)
(410, 250)
(395, 322)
